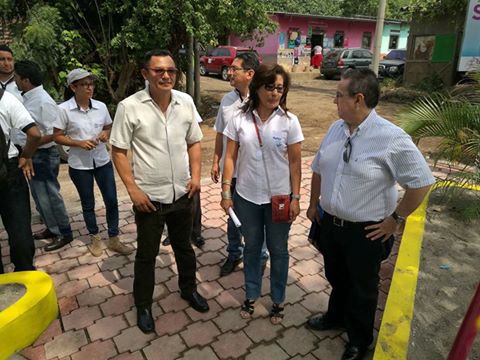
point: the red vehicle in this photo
(218, 61)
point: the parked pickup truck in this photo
(219, 59)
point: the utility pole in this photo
(378, 35)
(190, 61)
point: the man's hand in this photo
(226, 204)
(192, 187)
(88, 144)
(27, 167)
(294, 209)
(382, 230)
(312, 214)
(103, 136)
(215, 172)
(141, 201)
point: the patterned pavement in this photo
(97, 318)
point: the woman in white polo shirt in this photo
(84, 125)
(266, 139)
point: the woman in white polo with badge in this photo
(266, 140)
(84, 125)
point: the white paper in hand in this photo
(234, 217)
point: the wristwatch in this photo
(400, 220)
(296, 196)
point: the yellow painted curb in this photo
(23, 322)
(393, 338)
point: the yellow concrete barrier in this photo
(24, 321)
(394, 334)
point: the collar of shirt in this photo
(5, 83)
(242, 99)
(32, 93)
(363, 127)
(278, 111)
(145, 96)
(72, 104)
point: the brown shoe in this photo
(96, 245)
(114, 244)
(44, 234)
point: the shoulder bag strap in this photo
(263, 155)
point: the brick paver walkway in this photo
(98, 321)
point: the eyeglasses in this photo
(236, 68)
(170, 71)
(348, 150)
(86, 84)
(270, 87)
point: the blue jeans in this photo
(83, 181)
(45, 190)
(234, 236)
(257, 227)
(16, 217)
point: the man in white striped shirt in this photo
(355, 171)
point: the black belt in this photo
(345, 223)
(45, 149)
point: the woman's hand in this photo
(226, 204)
(294, 209)
(103, 136)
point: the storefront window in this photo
(393, 43)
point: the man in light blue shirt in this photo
(44, 185)
(355, 172)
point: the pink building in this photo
(297, 35)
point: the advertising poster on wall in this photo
(470, 53)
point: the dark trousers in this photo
(178, 217)
(352, 263)
(105, 178)
(197, 216)
(16, 217)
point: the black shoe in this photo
(166, 241)
(145, 320)
(322, 323)
(196, 301)
(229, 266)
(45, 234)
(58, 242)
(198, 241)
(353, 352)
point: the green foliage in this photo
(430, 83)
(437, 8)
(316, 7)
(455, 119)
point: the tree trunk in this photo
(197, 99)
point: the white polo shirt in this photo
(13, 115)
(280, 130)
(43, 110)
(79, 124)
(17, 136)
(158, 142)
(229, 106)
(364, 188)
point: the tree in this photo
(117, 33)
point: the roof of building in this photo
(329, 17)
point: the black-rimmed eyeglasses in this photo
(348, 150)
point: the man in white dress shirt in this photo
(355, 173)
(44, 185)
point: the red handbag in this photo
(280, 208)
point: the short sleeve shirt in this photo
(363, 189)
(13, 115)
(229, 107)
(159, 143)
(280, 130)
(79, 124)
(43, 110)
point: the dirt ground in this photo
(311, 100)
(447, 281)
